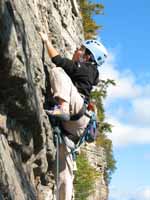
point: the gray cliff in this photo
(27, 151)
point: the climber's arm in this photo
(68, 65)
(52, 52)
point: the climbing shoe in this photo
(58, 112)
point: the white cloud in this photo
(138, 96)
(146, 90)
(131, 120)
(142, 193)
(125, 134)
(126, 82)
(141, 112)
(126, 86)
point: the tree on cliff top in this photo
(88, 10)
(104, 127)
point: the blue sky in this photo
(126, 34)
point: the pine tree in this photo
(104, 127)
(88, 10)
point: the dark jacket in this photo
(83, 75)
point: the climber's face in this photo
(79, 55)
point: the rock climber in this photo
(71, 83)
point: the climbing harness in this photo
(91, 132)
(79, 114)
(89, 135)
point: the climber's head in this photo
(79, 54)
(83, 55)
(96, 50)
(92, 51)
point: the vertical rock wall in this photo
(26, 142)
(97, 159)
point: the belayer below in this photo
(71, 83)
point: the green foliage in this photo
(106, 143)
(104, 127)
(99, 94)
(88, 10)
(85, 178)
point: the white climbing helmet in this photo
(97, 49)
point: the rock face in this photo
(27, 150)
(97, 159)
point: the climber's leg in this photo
(60, 83)
(66, 94)
(66, 175)
(64, 89)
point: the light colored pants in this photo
(63, 87)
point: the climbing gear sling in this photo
(89, 135)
